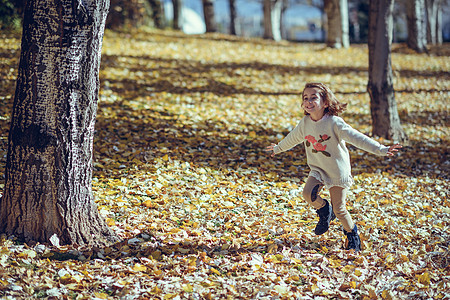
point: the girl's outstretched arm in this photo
(393, 149)
(270, 149)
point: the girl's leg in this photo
(338, 196)
(311, 193)
(323, 208)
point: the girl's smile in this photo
(313, 103)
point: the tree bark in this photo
(415, 16)
(337, 20)
(385, 119)
(272, 16)
(233, 15)
(50, 147)
(208, 12)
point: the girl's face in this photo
(313, 103)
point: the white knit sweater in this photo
(326, 152)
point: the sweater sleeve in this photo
(358, 139)
(294, 138)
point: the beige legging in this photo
(338, 195)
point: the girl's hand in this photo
(270, 149)
(393, 149)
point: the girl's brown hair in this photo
(334, 106)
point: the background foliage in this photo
(10, 14)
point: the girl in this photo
(324, 135)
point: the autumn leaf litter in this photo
(204, 213)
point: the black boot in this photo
(354, 242)
(326, 215)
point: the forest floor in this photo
(181, 175)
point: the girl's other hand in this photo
(393, 149)
(270, 149)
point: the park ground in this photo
(180, 174)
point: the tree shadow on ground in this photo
(147, 245)
(426, 118)
(435, 50)
(153, 134)
(206, 147)
(170, 36)
(180, 76)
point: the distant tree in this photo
(177, 14)
(284, 7)
(385, 119)
(11, 13)
(48, 173)
(363, 19)
(272, 16)
(157, 13)
(354, 27)
(337, 20)
(434, 21)
(208, 12)
(233, 15)
(126, 13)
(415, 16)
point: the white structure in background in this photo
(300, 22)
(192, 22)
(303, 23)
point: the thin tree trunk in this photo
(332, 9)
(208, 12)
(158, 13)
(284, 7)
(344, 23)
(272, 15)
(267, 10)
(415, 15)
(50, 147)
(233, 15)
(439, 37)
(177, 14)
(434, 30)
(385, 119)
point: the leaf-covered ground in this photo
(181, 175)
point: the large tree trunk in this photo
(385, 119)
(434, 29)
(50, 147)
(177, 14)
(337, 20)
(272, 16)
(208, 12)
(415, 16)
(233, 15)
